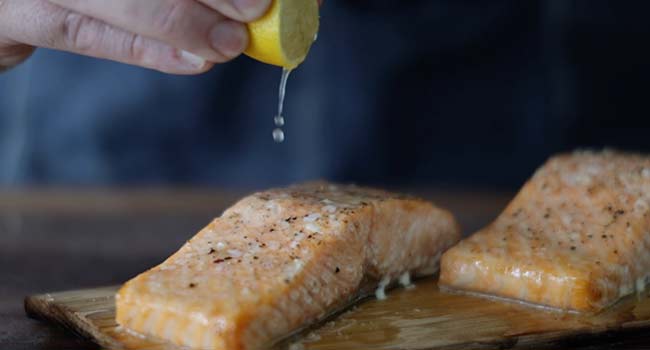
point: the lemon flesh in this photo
(284, 35)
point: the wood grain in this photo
(418, 318)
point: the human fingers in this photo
(185, 24)
(42, 24)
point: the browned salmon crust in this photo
(281, 259)
(577, 236)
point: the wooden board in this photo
(418, 318)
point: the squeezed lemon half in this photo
(284, 35)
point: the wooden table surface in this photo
(53, 240)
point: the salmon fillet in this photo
(281, 259)
(577, 236)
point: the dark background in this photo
(400, 93)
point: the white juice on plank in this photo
(278, 133)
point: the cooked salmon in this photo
(577, 236)
(281, 259)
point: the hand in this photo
(173, 36)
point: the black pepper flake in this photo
(547, 215)
(310, 236)
(271, 230)
(211, 251)
(192, 285)
(597, 262)
(603, 236)
(218, 261)
(227, 258)
(573, 247)
(615, 251)
(255, 257)
(238, 260)
(286, 281)
(337, 270)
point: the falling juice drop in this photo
(279, 120)
(278, 134)
(283, 89)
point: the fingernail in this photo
(192, 60)
(229, 38)
(252, 9)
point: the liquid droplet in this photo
(315, 36)
(278, 135)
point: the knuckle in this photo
(172, 15)
(254, 11)
(138, 50)
(135, 48)
(77, 32)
